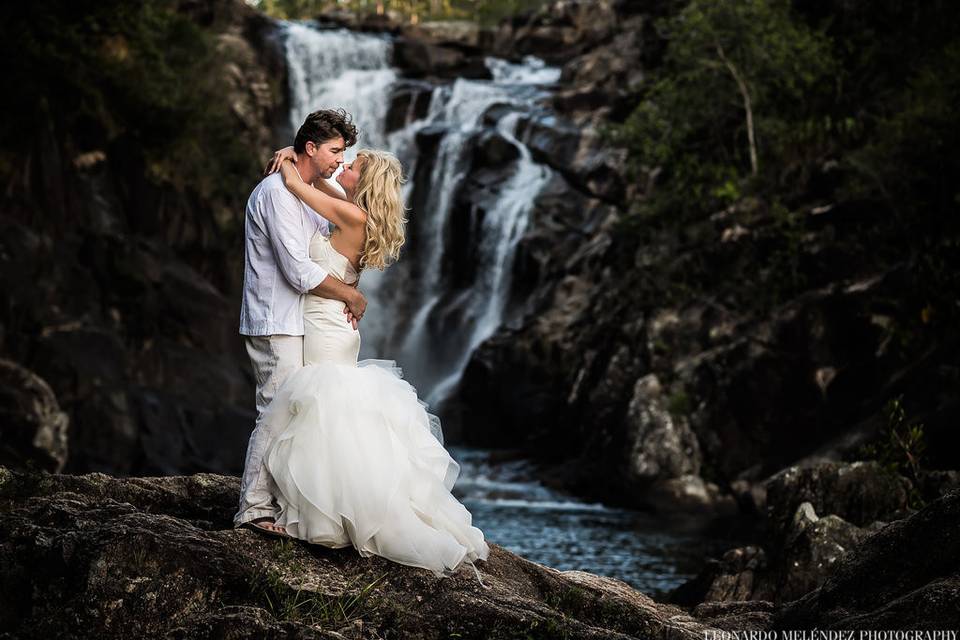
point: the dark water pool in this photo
(514, 510)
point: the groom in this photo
(277, 274)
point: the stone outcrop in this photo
(98, 557)
(860, 493)
(906, 575)
(94, 556)
(813, 517)
(33, 429)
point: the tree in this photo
(737, 74)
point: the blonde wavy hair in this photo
(379, 195)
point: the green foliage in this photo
(723, 59)
(284, 551)
(784, 274)
(853, 107)
(285, 602)
(900, 447)
(910, 168)
(570, 600)
(679, 404)
(137, 73)
(483, 11)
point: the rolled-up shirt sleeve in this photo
(284, 227)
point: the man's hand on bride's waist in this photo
(355, 307)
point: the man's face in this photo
(327, 156)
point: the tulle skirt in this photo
(359, 461)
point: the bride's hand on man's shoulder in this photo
(277, 160)
(288, 173)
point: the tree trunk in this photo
(745, 94)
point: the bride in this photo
(357, 459)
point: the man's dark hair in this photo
(326, 124)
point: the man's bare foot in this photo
(268, 526)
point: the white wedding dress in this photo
(357, 459)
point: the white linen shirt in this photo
(277, 269)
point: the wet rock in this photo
(428, 141)
(812, 548)
(904, 576)
(690, 494)
(99, 557)
(558, 30)
(496, 112)
(33, 429)
(663, 456)
(804, 563)
(662, 446)
(420, 59)
(859, 492)
(604, 79)
(533, 408)
(740, 574)
(567, 232)
(465, 34)
(801, 547)
(494, 151)
(409, 101)
(577, 153)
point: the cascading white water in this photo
(501, 230)
(339, 68)
(460, 109)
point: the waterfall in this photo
(415, 315)
(339, 68)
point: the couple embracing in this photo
(343, 452)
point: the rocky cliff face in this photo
(118, 290)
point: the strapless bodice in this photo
(328, 337)
(334, 262)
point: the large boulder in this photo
(813, 547)
(904, 576)
(812, 518)
(422, 59)
(860, 493)
(33, 429)
(99, 557)
(662, 445)
(465, 34)
(409, 101)
(578, 152)
(663, 460)
(558, 30)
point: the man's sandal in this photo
(263, 527)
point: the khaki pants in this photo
(273, 358)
